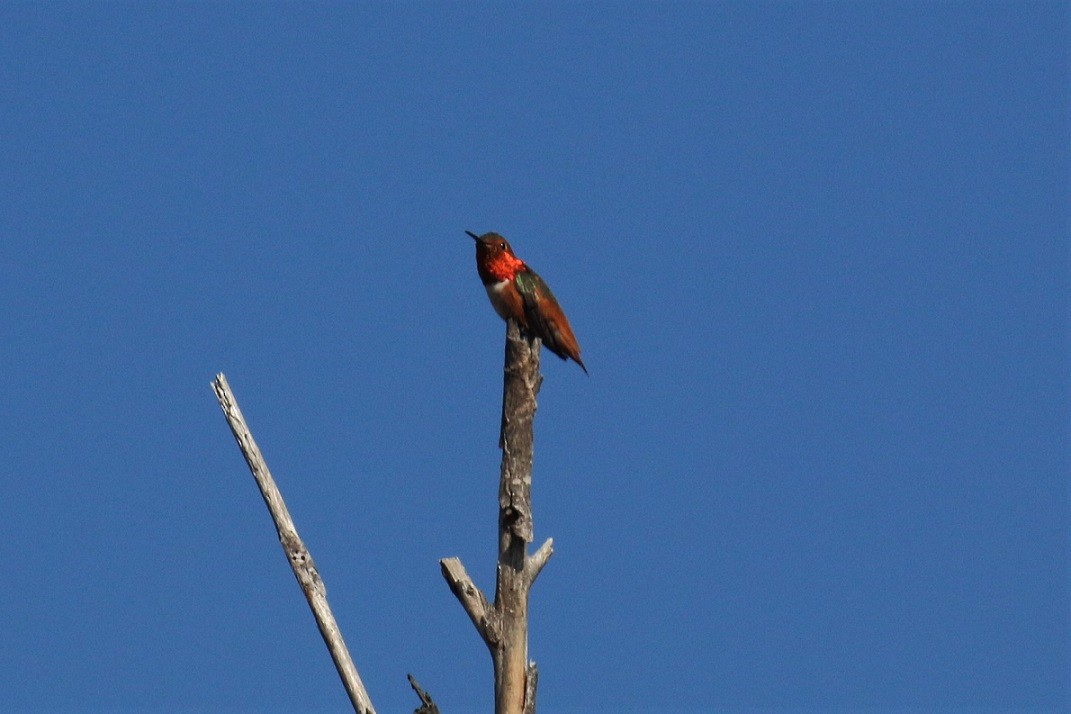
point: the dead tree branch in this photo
(300, 559)
(503, 626)
(427, 706)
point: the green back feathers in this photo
(531, 286)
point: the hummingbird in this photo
(517, 293)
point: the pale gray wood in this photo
(534, 565)
(479, 610)
(504, 624)
(530, 689)
(296, 553)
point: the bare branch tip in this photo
(427, 706)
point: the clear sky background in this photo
(816, 255)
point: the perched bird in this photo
(517, 292)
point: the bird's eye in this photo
(501, 246)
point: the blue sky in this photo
(815, 253)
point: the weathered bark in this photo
(503, 626)
(296, 553)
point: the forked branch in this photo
(503, 626)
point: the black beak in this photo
(474, 236)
